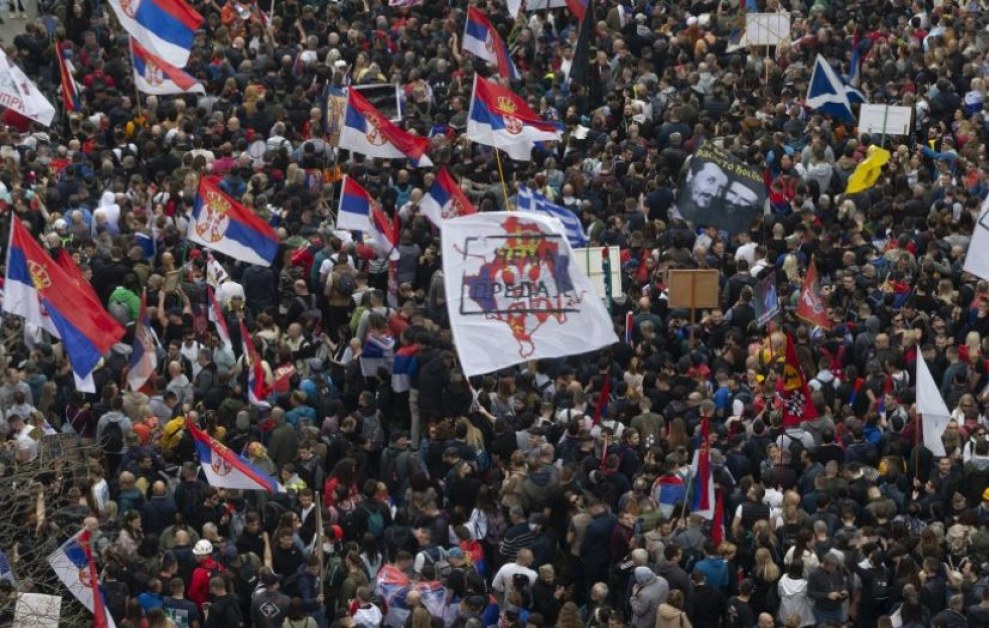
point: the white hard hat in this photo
(203, 548)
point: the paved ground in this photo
(15, 26)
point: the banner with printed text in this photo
(720, 190)
(515, 292)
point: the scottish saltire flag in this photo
(501, 118)
(166, 28)
(444, 199)
(67, 264)
(702, 493)
(74, 566)
(6, 572)
(257, 390)
(369, 132)
(224, 225)
(37, 289)
(354, 211)
(144, 356)
(70, 89)
(482, 40)
(215, 315)
(528, 200)
(384, 230)
(224, 468)
(154, 75)
(830, 95)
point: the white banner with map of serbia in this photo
(515, 293)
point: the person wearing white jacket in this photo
(793, 595)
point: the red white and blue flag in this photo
(369, 132)
(702, 496)
(385, 230)
(483, 41)
(154, 75)
(501, 118)
(74, 566)
(224, 225)
(224, 468)
(166, 28)
(354, 211)
(257, 391)
(445, 199)
(67, 264)
(144, 354)
(70, 89)
(37, 289)
(215, 315)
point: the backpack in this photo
(436, 557)
(372, 431)
(112, 438)
(396, 469)
(345, 284)
(880, 583)
(375, 521)
(691, 556)
(311, 308)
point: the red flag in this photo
(811, 306)
(69, 266)
(718, 525)
(793, 390)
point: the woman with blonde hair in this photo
(765, 577)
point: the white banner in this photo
(977, 258)
(514, 292)
(930, 405)
(19, 94)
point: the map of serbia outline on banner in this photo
(515, 293)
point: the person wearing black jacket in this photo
(223, 611)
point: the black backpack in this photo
(112, 438)
(880, 583)
(345, 285)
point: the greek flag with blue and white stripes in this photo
(529, 200)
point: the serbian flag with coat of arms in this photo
(154, 75)
(224, 225)
(74, 566)
(369, 132)
(166, 28)
(445, 199)
(501, 118)
(224, 468)
(482, 40)
(793, 389)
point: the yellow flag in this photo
(867, 172)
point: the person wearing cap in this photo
(269, 606)
(206, 568)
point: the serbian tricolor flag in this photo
(215, 314)
(629, 328)
(354, 211)
(154, 75)
(70, 90)
(445, 199)
(144, 356)
(369, 132)
(224, 225)
(811, 307)
(37, 289)
(702, 496)
(65, 261)
(74, 566)
(482, 40)
(793, 390)
(166, 28)
(224, 468)
(384, 229)
(501, 118)
(257, 391)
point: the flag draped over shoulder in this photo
(793, 389)
(144, 356)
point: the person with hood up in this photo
(793, 596)
(648, 593)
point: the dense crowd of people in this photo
(415, 496)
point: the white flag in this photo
(19, 94)
(977, 259)
(934, 413)
(514, 292)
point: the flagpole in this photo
(501, 175)
(319, 543)
(137, 92)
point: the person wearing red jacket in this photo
(206, 568)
